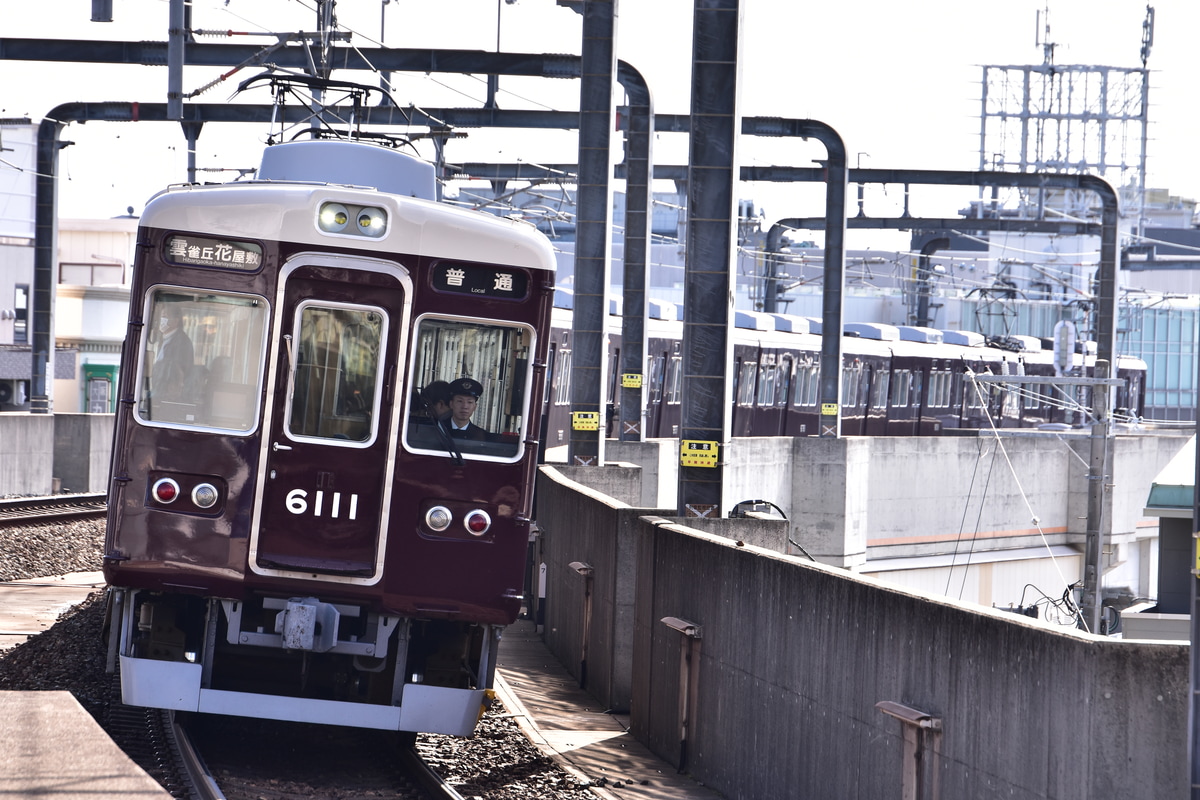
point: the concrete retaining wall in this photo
(44, 453)
(26, 454)
(793, 657)
(588, 618)
(83, 451)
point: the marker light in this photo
(204, 495)
(438, 518)
(477, 522)
(333, 217)
(165, 490)
(372, 222)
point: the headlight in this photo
(205, 495)
(438, 518)
(333, 217)
(351, 220)
(372, 222)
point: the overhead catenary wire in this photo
(1034, 518)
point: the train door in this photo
(323, 487)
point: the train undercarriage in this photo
(301, 659)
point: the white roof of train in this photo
(286, 209)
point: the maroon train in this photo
(896, 381)
(291, 533)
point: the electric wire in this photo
(1024, 496)
(962, 525)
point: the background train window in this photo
(562, 379)
(1030, 397)
(808, 379)
(901, 386)
(973, 395)
(202, 360)
(767, 375)
(497, 357)
(850, 378)
(784, 383)
(655, 387)
(939, 389)
(673, 385)
(879, 390)
(335, 391)
(745, 387)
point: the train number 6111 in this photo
(297, 503)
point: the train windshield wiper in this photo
(447, 440)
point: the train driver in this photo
(175, 359)
(464, 396)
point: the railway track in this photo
(46, 509)
(230, 758)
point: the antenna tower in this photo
(1072, 119)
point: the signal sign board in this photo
(693, 453)
(585, 420)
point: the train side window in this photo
(654, 388)
(973, 395)
(336, 362)
(674, 380)
(942, 383)
(810, 384)
(901, 387)
(495, 355)
(802, 379)
(1030, 398)
(767, 375)
(562, 379)
(745, 387)
(850, 378)
(202, 360)
(785, 371)
(879, 391)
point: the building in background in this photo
(91, 290)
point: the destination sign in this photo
(481, 281)
(197, 251)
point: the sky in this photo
(900, 81)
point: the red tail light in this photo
(478, 522)
(165, 490)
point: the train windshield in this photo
(202, 357)
(335, 391)
(470, 386)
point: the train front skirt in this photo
(181, 685)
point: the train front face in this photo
(293, 533)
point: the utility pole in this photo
(1099, 501)
(1099, 516)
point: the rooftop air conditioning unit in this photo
(12, 393)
